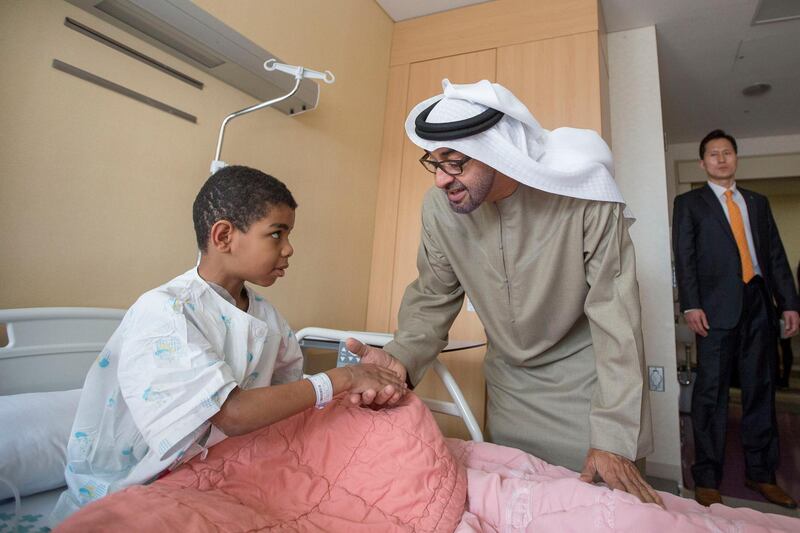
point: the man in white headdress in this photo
(529, 224)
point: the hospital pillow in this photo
(34, 429)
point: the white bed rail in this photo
(458, 407)
(52, 348)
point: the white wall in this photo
(638, 145)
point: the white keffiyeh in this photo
(566, 161)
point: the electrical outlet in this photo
(656, 378)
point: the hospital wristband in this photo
(323, 388)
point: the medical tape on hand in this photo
(323, 387)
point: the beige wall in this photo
(636, 129)
(96, 188)
(786, 210)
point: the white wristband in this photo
(323, 388)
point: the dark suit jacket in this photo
(707, 264)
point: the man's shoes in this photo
(706, 496)
(773, 493)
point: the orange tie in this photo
(737, 225)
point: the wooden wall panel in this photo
(605, 96)
(605, 108)
(558, 79)
(490, 25)
(383, 243)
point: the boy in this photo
(203, 356)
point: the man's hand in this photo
(618, 473)
(376, 356)
(697, 321)
(791, 324)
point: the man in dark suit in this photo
(731, 266)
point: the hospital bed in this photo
(50, 350)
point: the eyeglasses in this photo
(451, 167)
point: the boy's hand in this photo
(366, 378)
(388, 395)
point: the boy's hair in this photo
(238, 194)
(716, 134)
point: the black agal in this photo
(447, 131)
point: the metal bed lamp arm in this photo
(299, 74)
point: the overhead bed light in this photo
(191, 34)
(138, 18)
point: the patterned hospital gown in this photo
(146, 404)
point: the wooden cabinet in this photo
(548, 53)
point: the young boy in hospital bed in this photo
(203, 356)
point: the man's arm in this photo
(782, 281)
(685, 253)
(619, 412)
(612, 307)
(429, 307)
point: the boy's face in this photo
(261, 254)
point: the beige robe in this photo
(553, 280)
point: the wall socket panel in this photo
(656, 378)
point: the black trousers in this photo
(750, 347)
(787, 358)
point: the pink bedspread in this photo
(511, 491)
(349, 469)
(342, 468)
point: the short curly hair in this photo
(241, 195)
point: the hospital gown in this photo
(553, 280)
(146, 404)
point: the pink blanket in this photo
(342, 468)
(349, 469)
(512, 491)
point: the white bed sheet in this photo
(34, 512)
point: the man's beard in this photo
(475, 195)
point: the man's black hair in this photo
(238, 194)
(716, 134)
